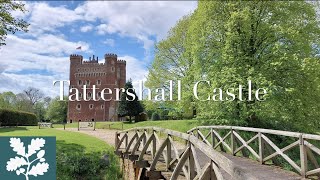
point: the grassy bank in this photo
(72, 147)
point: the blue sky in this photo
(57, 28)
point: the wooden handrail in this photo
(218, 161)
(232, 138)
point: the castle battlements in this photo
(110, 55)
(121, 61)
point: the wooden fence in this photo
(265, 145)
(137, 143)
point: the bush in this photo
(155, 116)
(141, 117)
(83, 166)
(15, 118)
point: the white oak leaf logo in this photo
(23, 164)
(17, 146)
(39, 169)
(36, 144)
(14, 163)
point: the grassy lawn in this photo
(177, 125)
(78, 155)
(88, 143)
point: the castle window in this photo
(78, 69)
(78, 106)
(89, 95)
(80, 95)
(79, 82)
(98, 82)
(88, 83)
(91, 106)
(112, 69)
(99, 94)
(102, 106)
(72, 86)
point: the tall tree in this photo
(57, 111)
(274, 44)
(172, 62)
(9, 23)
(129, 104)
(33, 94)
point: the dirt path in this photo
(107, 135)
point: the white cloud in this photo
(46, 55)
(86, 28)
(46, 18)
(136, 19)
(109, 42)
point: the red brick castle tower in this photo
(110, 74)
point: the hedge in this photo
(17, 118)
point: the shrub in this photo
(155, 116)
(83, 166)
(141, 117)
(14, 118)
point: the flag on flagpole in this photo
(79, 47)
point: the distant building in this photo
(110, 74)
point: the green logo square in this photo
(28, 158)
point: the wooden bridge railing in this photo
(137, 143)
(262, 145)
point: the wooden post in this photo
(261, 148)
(78, 126)
(154, 145)
(303, 157)
(168, 153)
(191, 164)
(94, 126)
(232, 142)
(116, 139)
(126, 140)
(213, 138)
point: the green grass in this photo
(88, 143)
(177, 125)
(74, 148)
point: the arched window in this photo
(91, 106)
(88, 83)
(102, 106)
(79, 82)
(78, 106)
(98, 82)
(89, 95)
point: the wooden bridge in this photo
(219, 152)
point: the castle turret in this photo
(110, 59)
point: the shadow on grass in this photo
(11, 129)
(64, 147)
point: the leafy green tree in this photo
(273, 44)
(57, 111)
(9, 23)
(128, 105)
(172, 62)
(8, 100)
